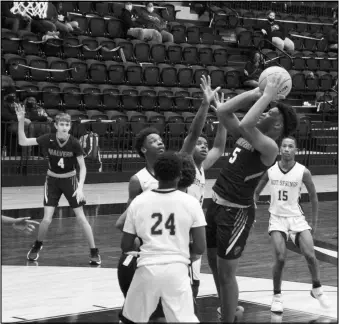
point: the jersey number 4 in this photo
(169, 225)
(234, 155)
(61, 163)
(282, 195)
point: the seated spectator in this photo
(153, 21)
(332, 37)
(64, 22)
(34, 111)
(13, 21)
(275, 33)
(135, 28)
(252, 71)
(8, 113)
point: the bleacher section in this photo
(158, 84)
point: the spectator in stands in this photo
(135, 28)
(154, 21)
(64, 21)
(35, 112)
(275, 32)
(252, 71)
(332, 37)
(8, 113)
(13, 21)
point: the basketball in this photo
(285, 87)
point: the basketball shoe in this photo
(239, 313)
(95, 258)
(33, 253)
(277, 304)
(317, 293)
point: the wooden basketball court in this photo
(62, 287)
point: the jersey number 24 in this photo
(169, 225)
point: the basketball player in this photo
(22, 224)
(287, 219)
(230, 215)
(64, 153)
(164, 219)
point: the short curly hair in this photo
(290, 119)
(141, 136)
(168, 167)
(188, 172)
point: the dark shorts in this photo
(125, 277)
(228, 229)
(55, 187)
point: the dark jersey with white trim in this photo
(62, 156)
(240, 175)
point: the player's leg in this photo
(68, 187)
(196, 266)
(304, 240)
(52, 194)
(211, 240)
(177, 298)
(142, 298)
(126, 268)
(233, 228)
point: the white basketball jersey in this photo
(147, 180)
(285, 189)
(163, 220)
(197, 189)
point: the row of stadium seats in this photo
(250, 20)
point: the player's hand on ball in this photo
(20, 110)
(256, 93)
(24, 224)
(206, 88)
(273, 85)
(79, 194)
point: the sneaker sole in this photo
(37, 255)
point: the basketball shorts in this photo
(228, 228)
(177, 301)
(290, 226)
(55, 187)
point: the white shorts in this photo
(196, 265)
(171, 283)
(291, 226)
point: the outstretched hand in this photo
(218, 101)
(273, 85)
(206, 88)
(20, 110)
(24, 224)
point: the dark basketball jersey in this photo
(240, 175)
(62, 156)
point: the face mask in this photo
(10, 99)
(271, 19)
(129, 7)
(151, 9)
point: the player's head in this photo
(271, 16)
(188, 171)
(278, 121)
(167, 170)
(201, 149)
(63, 123)
(149, 144)
(288, 148)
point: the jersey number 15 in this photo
(169, 225)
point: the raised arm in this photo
(200, 118)
(219, 142)
(134, 189)
(309, 184)
(262, 143)
(23, 140)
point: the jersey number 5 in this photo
(168, 225)
(283, 196)
(61, 163)
(234, 155)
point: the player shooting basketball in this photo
(230, 215)
(287, 219)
